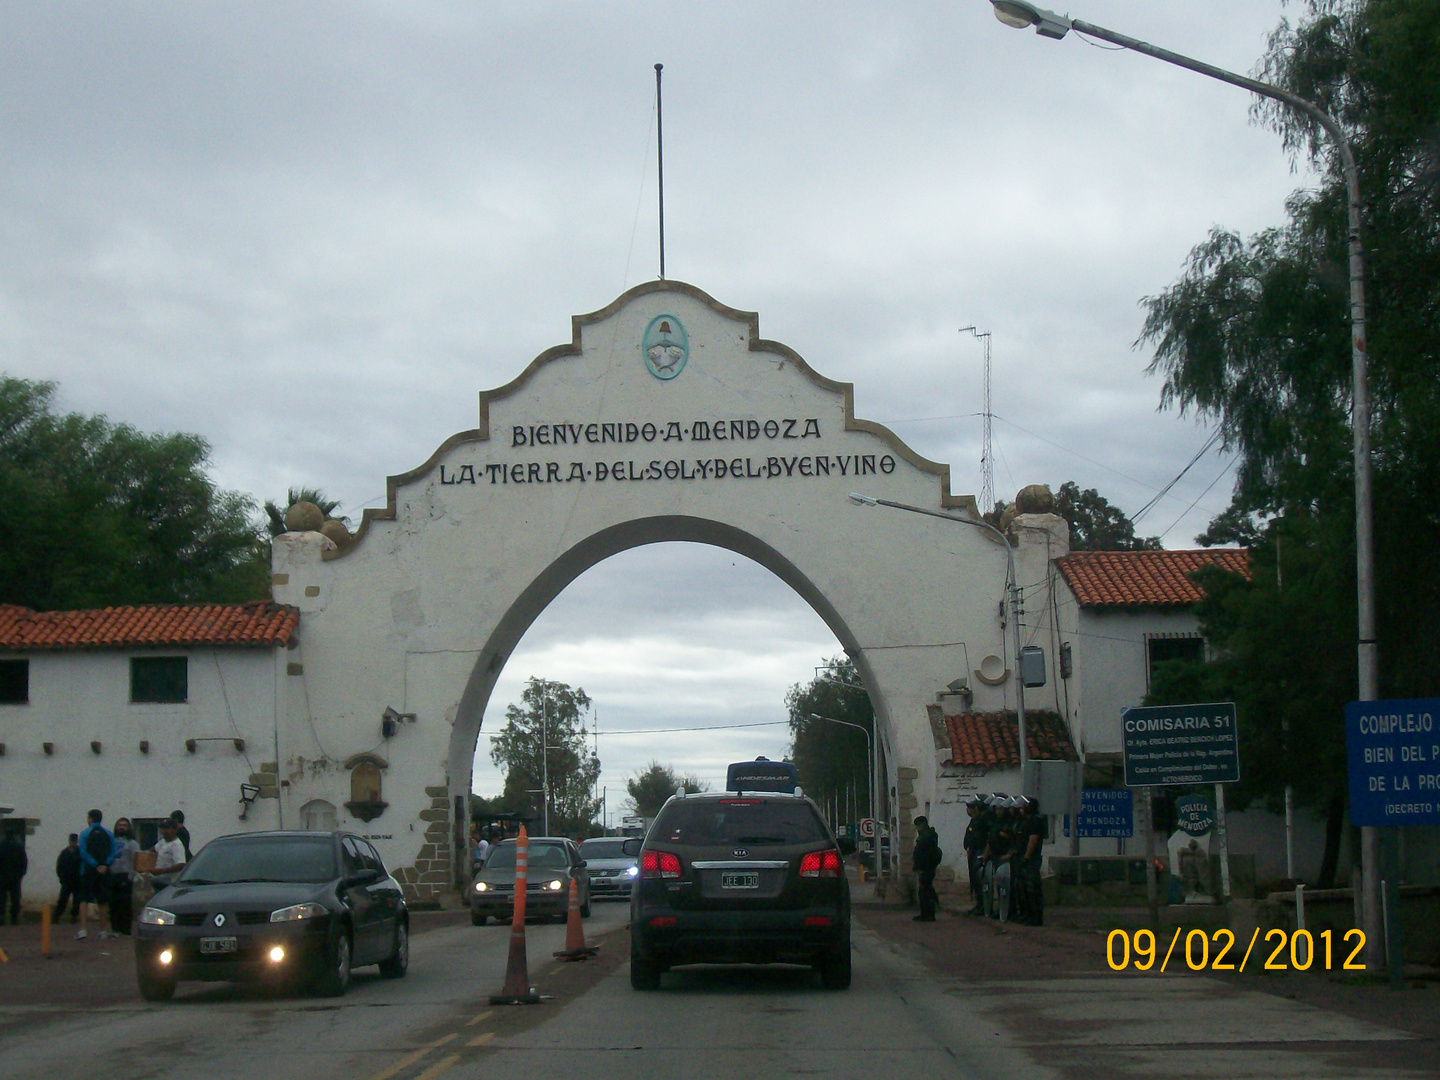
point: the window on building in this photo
(1161, 650)
(318, 815)
(159, 678)
(147, 831)
(365, 782)
(14, 682)
(366, 801)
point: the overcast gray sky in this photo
(312, 232)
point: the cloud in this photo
(313, 234)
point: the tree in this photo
(831, 758)
(650, 787)
(1283, 642)
(275, 514)
(97, 514)
(1096, 524)
(558, 711)
(1256, 336)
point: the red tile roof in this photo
(1144, 578)
(993, 738)
(259, 623)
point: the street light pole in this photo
(1014, 584)
(874, 763)
(545, 756)
(1021, 14)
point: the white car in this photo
(612, 862)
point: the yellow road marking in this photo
(438, 1068)
(1170, 950)
(483, 1016)
(412, 1057)
(481, 1040)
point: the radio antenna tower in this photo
(987, 460)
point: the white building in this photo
(355, 698)
(137, 712)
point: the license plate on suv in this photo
(209, 946)
(740, 880)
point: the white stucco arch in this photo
(588, 453)
(593, 550)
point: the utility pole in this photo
(987, 458)
(545, 757)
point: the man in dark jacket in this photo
(976, 837)
(13, 865)
(1030, 835)
(67, 869)
(926, 860)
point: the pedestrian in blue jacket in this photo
(97, 852)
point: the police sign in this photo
(1181, 744)
(1394, 752)
(1104, 813)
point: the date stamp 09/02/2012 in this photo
(1216, 951)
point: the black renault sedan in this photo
(276, 906)
(740, 877)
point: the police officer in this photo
(975, 834)
(1000, 843)
(926, 860)
(1030, 838)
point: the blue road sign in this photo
(1104, 813)
(1394, 750)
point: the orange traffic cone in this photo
(517, 989)
(575, 948)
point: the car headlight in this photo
(480, 886)
(553, 886)
(632, 871)
(296, 912)
(154, 916)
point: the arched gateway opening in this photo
(666, 418)
(560, 574)
(686, 652)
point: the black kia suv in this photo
(740, 877)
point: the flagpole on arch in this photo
(660, 158)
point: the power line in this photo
(705, 727)
(1162, 492)
(1214, 438)
(1231, 465)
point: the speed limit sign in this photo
(867, 827)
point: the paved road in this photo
(898, 1019)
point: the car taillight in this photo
(818, 864)
(665, 864)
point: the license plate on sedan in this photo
(739, 880)
(209, 946)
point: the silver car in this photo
(613, 866)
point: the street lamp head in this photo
(1022, 14)
(863, 500)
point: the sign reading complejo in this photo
(1181, 744)
(1394, 752)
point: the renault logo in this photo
(220, 919)
(740, 853)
